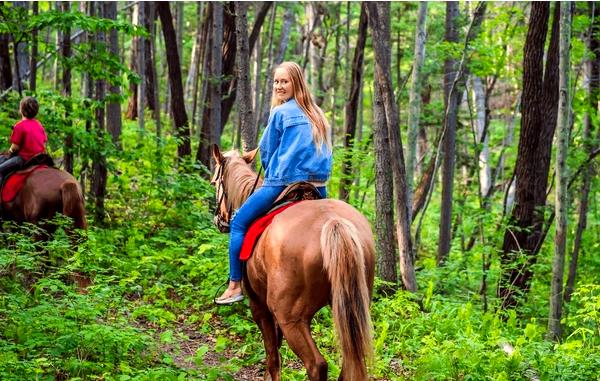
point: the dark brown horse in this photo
(314, 253)
(46, 192)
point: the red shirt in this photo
(30, 136)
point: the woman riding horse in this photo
(314, 253)
(295, 146)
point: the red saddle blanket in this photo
(15, 182)
(257, 228)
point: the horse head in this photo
(231, 177)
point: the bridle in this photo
(222, 222)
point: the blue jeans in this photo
(255, 206)
(8, 165)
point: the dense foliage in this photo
(134, 301)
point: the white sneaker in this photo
(230, 299)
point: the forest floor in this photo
(190, 340)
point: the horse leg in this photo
(302, 343)
(271, 337)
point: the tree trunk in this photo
(243, 69)
(449, 138)
(288, 18)
(99, 162)
(211, 122)
(482, 136)
(141, 56)
(191, 82)
(132, 103)
(152, 76)
(228, 88)
(228, 79)
(379, 22)
(5, 68)
(204, 130)
(227, 64)
(592, 87)
(384, 193)
(182, 128)
(34, 52)
(179, 20)
(257, 57)
(333, 81)
(414, 108)
(351, 108)
(21, 54)
(205, 57)
(261, 96)
(67, 92)
(149, 56)
(562, 132)
(113, 108)
(55, 66)
(522, 239)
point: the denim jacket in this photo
(287, 150)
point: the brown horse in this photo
(314, 253)
(46, 192)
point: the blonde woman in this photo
(295, 146)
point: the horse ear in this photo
(249, 156)
(216, 153)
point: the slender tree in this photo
(562, 131)
(216, 72)
(67, 91)
(99, 169)
(351, 108)
(243, 79)
(34, 51)
(150, 84)
(151, 62)
(288, 18)
(379, 22)
(451, 103)
(384, 193)
(191, 83)
(132, 104)
(592, 87)
(414, 103)
(141, 64)
(5, 68)
(113, 108)
(523, 235)
(229, 81)
(182, 129)
(20, 50)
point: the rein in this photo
(222, 222)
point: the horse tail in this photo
(344, 262)
(72, 201)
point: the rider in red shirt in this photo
(28, 138)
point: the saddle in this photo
(299, 191)
(14, 181)
(290, 196)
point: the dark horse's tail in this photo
(343, 259)
(72, 202)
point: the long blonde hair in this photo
(321, 131)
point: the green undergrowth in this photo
(132, 301)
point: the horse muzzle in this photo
(221, 224)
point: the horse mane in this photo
(239, 179)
